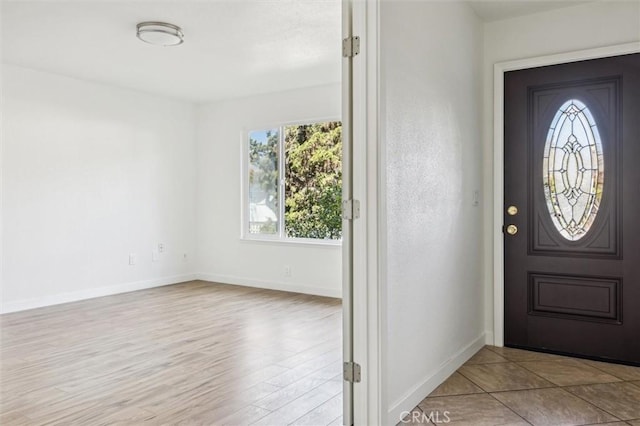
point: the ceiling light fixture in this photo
(160, 33)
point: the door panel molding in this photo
(585, 298)
(604, 237)
(498, 158)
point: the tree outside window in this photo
(305, 195)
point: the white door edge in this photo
(348, 327)
(369, 407)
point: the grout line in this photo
(554, 385)
(582, 361)
(471, 380)
(538, 375)
(512, 390)
(592, 404)
(509, 408)
(456, 394)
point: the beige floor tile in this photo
(553, 407)
(472, 410)
(519, 355)
(415, 417)
(620, 399)
(485, 356)
(456, 384)
(568, 372)
(624, 372)
(502, 377)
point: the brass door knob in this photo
(512, 230)
(512, 210)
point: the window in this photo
(294, 182)
(573, 170)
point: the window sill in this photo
(293, 242)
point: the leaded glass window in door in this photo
(573, 170)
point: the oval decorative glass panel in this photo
(573, 170)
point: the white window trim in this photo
(280, 237)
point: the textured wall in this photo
(91, 174)
(430, 57)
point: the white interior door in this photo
(363, 312)
(347, 228)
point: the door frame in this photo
(367, 268)
(498, 157)
(369, 274)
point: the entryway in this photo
(516, 387)
(570, 259)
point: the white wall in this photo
(586, 26)
(90, 174)
(222, 255)
(430, 99)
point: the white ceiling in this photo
(494, 10)
(231, 49)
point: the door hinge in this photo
(350, 46)
(350, 209)
(351, 372)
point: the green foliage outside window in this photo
(263, 177)
(313, 180)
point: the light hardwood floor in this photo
(195, 353)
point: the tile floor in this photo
(504, 386)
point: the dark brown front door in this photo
(572, 208)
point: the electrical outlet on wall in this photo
(133, 258)
(161, 247)
(287, 270)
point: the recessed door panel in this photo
(573, 145)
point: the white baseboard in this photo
(413, 397)
(74, 296)
(271, 285)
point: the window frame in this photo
(280, 237)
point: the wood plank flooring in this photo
(195, 353)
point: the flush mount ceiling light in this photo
(160, 33)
